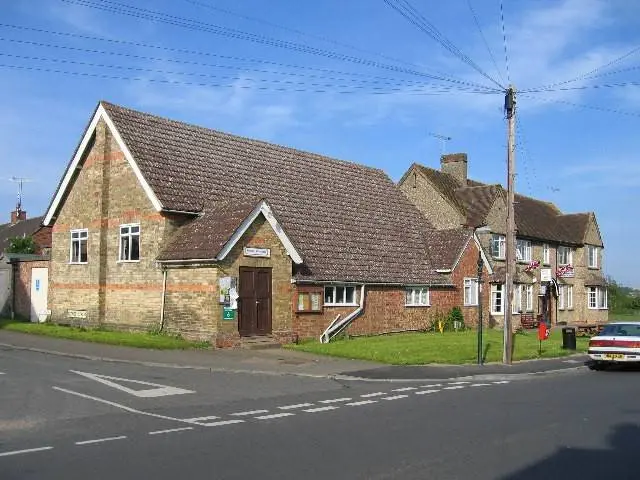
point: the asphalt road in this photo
(69, 418)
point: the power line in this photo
(504, 42)
(386, 81)
(583, 87)
(588, 107)
(154, 16)
(221, 85)
(416, 18)
(484, 39)
(225, 77)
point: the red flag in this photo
(543, 331)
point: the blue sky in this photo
(368, 103)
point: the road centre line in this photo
(481, 385)
(335, 400)
(118, 405)
(275, 415)
(29, 450)
(201, 419)
(432, 385)
(395, 397)
(361, 402)
(220, 423)
(297, 405)
(249, 412)
(101, 440)
(376, 394)
(458, 383)
(501, 382)
(422, 392)
(404, 389)
(457, 387)
(170, 430)
(320, 409)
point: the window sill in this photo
(593, 268)
(499, 258)
(78, 263)
(470, 305)
(341, 305)
(308, 311)
(128, 261)
(497, 313)
(417, 306)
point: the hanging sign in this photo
(257, 252)
(565, 271)
(545, 274)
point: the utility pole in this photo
(510, 110)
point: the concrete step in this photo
(259, 342)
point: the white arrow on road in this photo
(157, 391)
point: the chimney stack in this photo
(18, 215)
(455, 164)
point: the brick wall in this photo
(104, 195)
(23, 286)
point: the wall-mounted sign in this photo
(228, 313)
(77, 313)
(545, 274)
(257, 252)
(565, 271)
(227, 286)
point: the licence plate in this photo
(614, 356)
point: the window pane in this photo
(83, 250)
(329, 295)
(350, 294)
(135, 229)
(570, 296)
(75, 251)
(75, 234)
(408, 298)
(124, 230)
(135, 247)
(339, 294)
(124, 248)
(424, 296)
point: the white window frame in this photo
(569, 255)
(569, 297)
(417, 297)
(497, 288)
(128, 235)
(596, 252)
(471, 286)
(546, 254)
(516, 301)
(561, 296)
(525, 254)
(343, 302)
(529, 295)
(83, 235)
(500, 241)
(597, 298)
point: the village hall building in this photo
(158, 224)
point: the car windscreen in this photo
(621, 330)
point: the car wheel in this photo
(597, 366)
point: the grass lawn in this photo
(450, 347)
(127, 339)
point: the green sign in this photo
(228, 313)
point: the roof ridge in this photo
(243, 138)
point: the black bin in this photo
(569, 338)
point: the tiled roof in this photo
(534, 218)
(22, 228)
(203, 237)
(446, 245)
(348, 221)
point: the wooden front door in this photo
(254, 307)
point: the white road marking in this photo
(29, 450)
(501, 382)
(481, 385)
(376, 394)
(170, 430)
(250, 412)
(432, 385)
(1, 373)
(395, 397)
(201, 419)
(404, 389)
(100, 440)
(335, 400)
(320, 409)
(457, 387)
(361, 402)
(458, 383)
(118, 405)
(422, 392)
(222, 422)
(275, 415)
(297, 405)
(159, 391)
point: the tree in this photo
(21, 245)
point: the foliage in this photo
(102, 335)
(419, 348)
(21, 245)
(446, 322)
(622, 299)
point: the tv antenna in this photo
(20, 181)
(443, 140)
